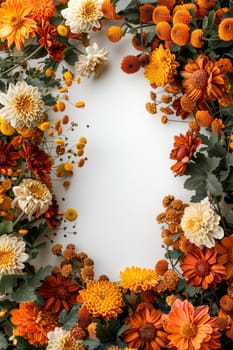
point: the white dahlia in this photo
(200, 224)
(12, 254)
(92, 62)
(32, 197)
(22, 105)
(82, 15)
(60, 339)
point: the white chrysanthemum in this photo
(201, 224)
(32, 197)
(82, 15)
(60, 339)
(22, 105)
(12, 254)
(92, 62)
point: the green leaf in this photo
(191, 290)
(108, 333)
(68, 319)
(8, 282)
(40, 275)
(3, 341)
(6, 227)
(92, 343)
(229, 217)
(24, 294)
(213, 185)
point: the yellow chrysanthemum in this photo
(162, 67)
(102, 299)
(138, 279)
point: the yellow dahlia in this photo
(102, 299)
(16, 26)
(138, 279)
(162, 67)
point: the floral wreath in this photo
(185, 50)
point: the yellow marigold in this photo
(161, 14)
(71, 214)
(102, 299)
(225, 29)
(182, 16)
(62, 30)
(138, 279)
(114, 33)
(196, 38)
(163, 31)
(171, 279)
(180, 34)
(162, 67)
(204, 118)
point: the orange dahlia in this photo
(201, 269)
(146, 330)
(102, 299)
(33, 323)
(225, 254)
(190, 328)
(16, 25)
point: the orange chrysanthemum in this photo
(130, 64)
(16, 25)
(102, 299)
(33, 323)
(146, 330)
(191, 328)
(196, 38)
(225, 254)
(41, 9)
(225, 30)
(138, 279)
(180, 34)
(109, 10)
(184, 148)
(160, 14)
(145, 13)
(204, 118)
(182, 16)
(163, 31)
(59, 293)
(201, 269)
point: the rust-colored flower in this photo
(184, 148)
(33, 323)
(8, 156)
(59, 293)
(201, 269)
(139, 40)
(145, 13)
(52, 215)
(130, 64)
(102, 299)
(191, 328)
(225, 254)
(146, 330)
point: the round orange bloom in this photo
(206, 3)
(187, 104)
(161, 267)
(109, 10)
(191, 328)
(16, 25)
(163, 31)
(146, 330)
(188, 6)
(225, 254)
(203, 118)
(226, 303)
(225, 30)
(32, 323)
(168, 3)
(182, 16)
(217, 125)
(161, 14)
(201, 268)
(41, 9)
(114, 33)
(180, 34)
(138, 41)
(130, 64)
(145, 13)
(196, 38)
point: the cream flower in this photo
(32, 197)
(201, 224)
(82, 15)
(92, 62)
(22, 105)
(12, 254)
(60, 339)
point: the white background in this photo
(118, 192)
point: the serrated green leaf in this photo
(8, 282)
(24, 294)
(194, 182)
(68, 319)
(92, 343)
(6, 227)
(191, 290)
(213, 185)
(40, 275)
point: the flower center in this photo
(15, 21)
(147, 332)
(194, 224)
(24, 104)
(89, 11)
(37, 190)
(202, 268)
(61, 292)
(199, 79)
(69, 343)
(3, 158)
(189, 330)
(7, 257)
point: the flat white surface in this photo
(118, 192)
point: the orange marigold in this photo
(204, 118)
(102, 299)
(217, 125)
(161, 267)
(205, 3)
(145, 13)
(182, 16)
(130, 64)
(41, 9)
(161, 14)
(180, 34)
(226, 303)
(163, 31)
(225, 254)
(33, 323)
(114, 33)
(196, 38)
(225, 30)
